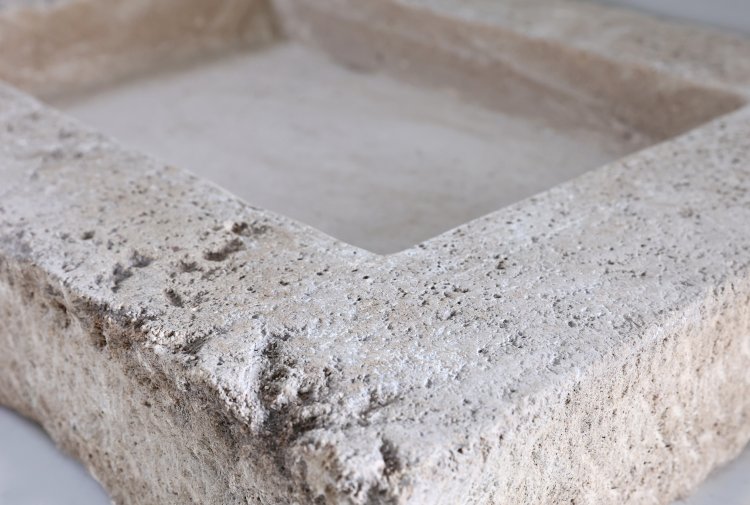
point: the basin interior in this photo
(369, 156)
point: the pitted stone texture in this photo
(587, 345)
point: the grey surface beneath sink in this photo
(34, 472)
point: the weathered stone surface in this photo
(588, 345)
(53, 47)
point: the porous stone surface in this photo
(588, 345)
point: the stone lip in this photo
(587, 345)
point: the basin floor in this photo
(369, 159)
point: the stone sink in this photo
(468, 252)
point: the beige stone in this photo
(589, 344)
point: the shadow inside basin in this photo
(376, 158)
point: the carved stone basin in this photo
(375, 252)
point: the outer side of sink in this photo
(590, 344)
